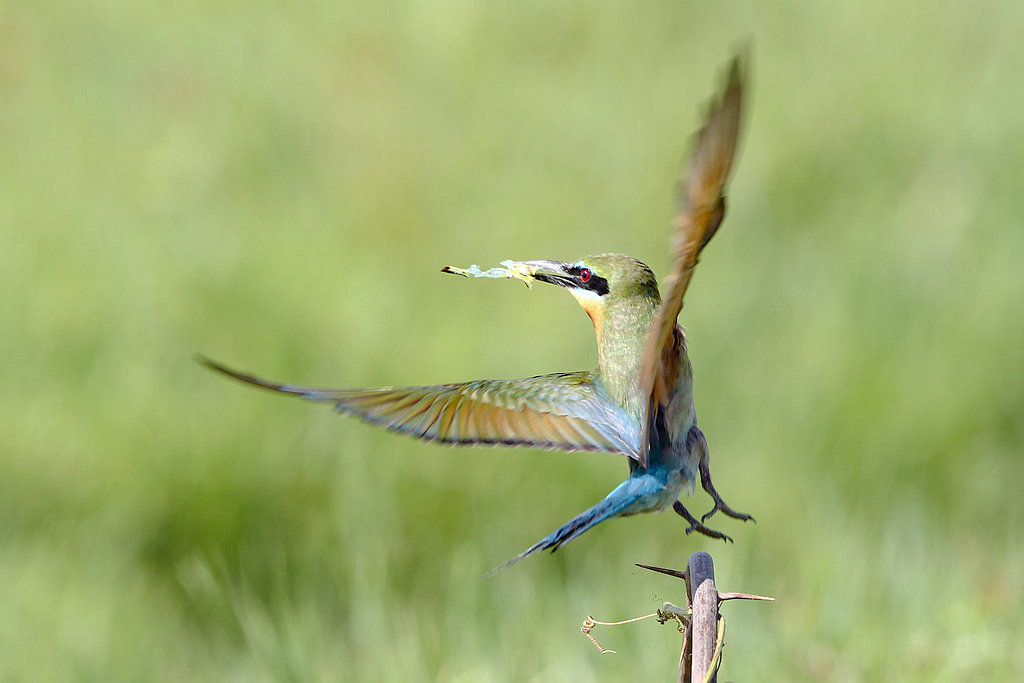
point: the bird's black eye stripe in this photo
(589, 280)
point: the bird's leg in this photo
(695, 524)
(705, 481)
(696, 443)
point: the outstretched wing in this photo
(564, 411)
(701, 208)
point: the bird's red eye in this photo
(586, 274)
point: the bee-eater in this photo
(639, 400)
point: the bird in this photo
(637, 402)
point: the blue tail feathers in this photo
(636, 494)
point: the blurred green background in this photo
(278, 184)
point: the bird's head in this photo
(600, 282)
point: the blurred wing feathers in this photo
(701, 208)
(564, 411)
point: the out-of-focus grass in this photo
(278, 185)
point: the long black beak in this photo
(551, 272)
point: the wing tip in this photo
(739, 67)
(216, 366)
(253, 380)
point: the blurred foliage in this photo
(278, 184)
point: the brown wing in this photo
(701, 208)
(564, 411)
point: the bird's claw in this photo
(723, 507)
(698, 525)
(720, 505)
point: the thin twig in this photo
(716, 657)
(589, 623)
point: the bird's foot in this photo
(697, 525)
(720, 505)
